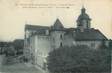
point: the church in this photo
(40, 40)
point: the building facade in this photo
(40, 40)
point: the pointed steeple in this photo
(83, 21)
(58, 24)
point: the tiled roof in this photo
(40, 32)
(58, 25)
(35, 27)
(89, 34)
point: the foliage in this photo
(79, 59)
(18, 45)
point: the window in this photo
(61, 44)
(61, 36)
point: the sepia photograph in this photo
(55, 36)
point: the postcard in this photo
(55, 36)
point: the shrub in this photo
(78, 59)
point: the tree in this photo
(78, 59)
(18, 45)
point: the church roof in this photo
(89, 34)
(58, 25)
(35, 27)
(83, 15)
(40, 30)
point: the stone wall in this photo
(40, 47)
(91, 44)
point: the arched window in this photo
(61, 36)
(61, 44)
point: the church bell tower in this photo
(83, 21)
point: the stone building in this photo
(40, 40)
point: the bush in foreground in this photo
(79, 59)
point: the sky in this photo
(14, 14)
